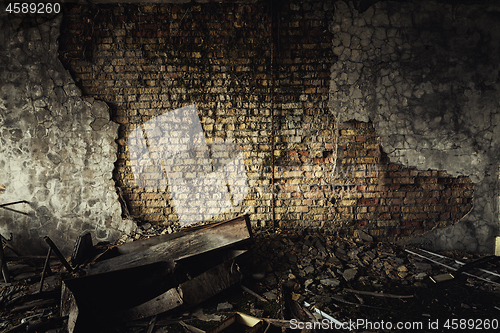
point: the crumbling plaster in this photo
(426, 74)
(57, 148)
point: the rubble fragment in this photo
(304, 275)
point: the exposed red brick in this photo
(365, 201)
(152, 58)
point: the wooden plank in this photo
(3, 264)
(58, 253)
(212, 237)
(143, 244)
(146, 243)
(83, 250)
(192, 292)
(89, 301)
(210, 283)
(90, 314)
(69, 307)
(163, 303)
(121, 289)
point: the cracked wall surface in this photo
(148, 60)
(426, 74)
(423, 74)
(57, 148)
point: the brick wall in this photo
(394, 200)
(239, 63)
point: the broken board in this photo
(206, 239)
(85, 314)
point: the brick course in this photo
(148, 60)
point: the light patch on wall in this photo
(170, 152)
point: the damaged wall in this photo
(402, 168)
(426, 74)
(146, 61)
(57, 148)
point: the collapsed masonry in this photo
(414, 69)
(49, 130)
(279, 278)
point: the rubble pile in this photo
(282, 275)
(23, 300)
(359, 278)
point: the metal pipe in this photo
(273, 215)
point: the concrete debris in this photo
(304, 275)
(224, 306)
(271, 295)
(199, 314)
(349, 274)
(328, 282)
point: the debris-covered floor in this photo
(305, 275)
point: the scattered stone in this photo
(198, 313)
(319, 246)
(296, 297)
(422, 266)
(331, 282)
(271, 280)
(309, 269)
(258, 313)
(224, 306)
(317, 316)
(349, 274)
(364, 236)
(259, 276)
(271, 295)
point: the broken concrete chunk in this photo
(271, 295)
(199, 314)
(309, 269)
(422, 266)
(332, 282)
(349, 274)
(224, 306)
(364, 236)
(259, 276)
